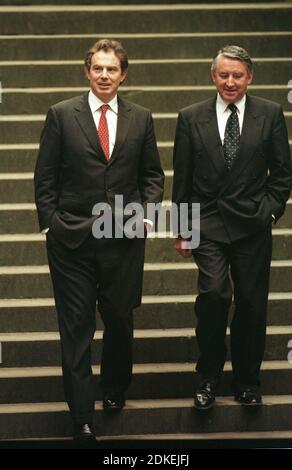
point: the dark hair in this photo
(107, 44)
(234, 52)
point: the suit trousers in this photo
(248, 261)
(110, 272)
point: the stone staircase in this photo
(170, 47)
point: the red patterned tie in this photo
(103, 131)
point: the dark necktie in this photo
(231, 136)
(103, 133)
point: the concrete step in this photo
(102, 2)
(21, 250)
(112, 2)
(164, 386)
(150, 381)
(146, 18)
(163, 99)
(177, 311)
(23, 44)
(22, 218)
(22, 158)
(159, 279)
(39, 349)
(221, 440)
(27, 129)
(142, 73)
(18, 188)
(178, 416)
(162, 249)
(18, 158)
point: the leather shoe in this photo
(248, 397)
(113, 401)
(83, 432)
(205, 396)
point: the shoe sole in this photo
(203, 408)
(113, 409)
(248, 404)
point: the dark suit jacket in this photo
(72, 173)
(239, 202)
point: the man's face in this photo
(105, 74)
(231, 78)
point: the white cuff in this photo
(149, 224)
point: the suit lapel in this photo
(86, 122)
(122, 127)
(249, 141)
(209, 133)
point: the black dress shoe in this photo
(205, 396)
(113, 401)
(83, 432)
(248, 397)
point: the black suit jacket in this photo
(72, 173)
(239, 202)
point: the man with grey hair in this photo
(232, 156)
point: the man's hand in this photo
(183, 248)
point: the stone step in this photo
(159, 279)
(113, 2)
(177, 416)
(22, 218)
(192, 72)
(177, 311)
(18, 158)
(259, 41)
(21, 250)
(150, 346)
(27, 129)
(150, 381)
(159, 99)
(150, 19)
(108, 2)
(19, 188)
(210, 440)
(22, 158)
(162, 249)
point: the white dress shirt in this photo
(223, 113)
(112, 120)
(111, 116)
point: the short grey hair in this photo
(234, 52)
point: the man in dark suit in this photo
(94, 148)
(232, 156)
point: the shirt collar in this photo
(95, 103)
(222, 105)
